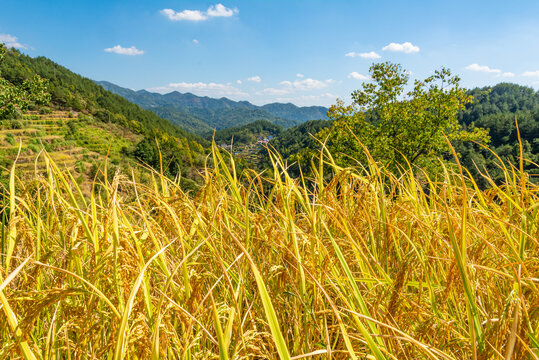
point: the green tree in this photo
(15, 98)
(398, 126)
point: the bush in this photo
(10, 139)
(80, 167)
(72, 127)
(14, 124)
(34, 148)
(80, 179)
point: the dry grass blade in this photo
(12, 319)
(14, 273)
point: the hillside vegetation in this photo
(84, 119)
(75, 92)
(246, 134)
(292, 143)
(498, 110)
(75, 142)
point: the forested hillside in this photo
(200, 114)
(292, 143)
(86, 118)
(293, 112)
(496, 109)
(499, 109)
(246, 134)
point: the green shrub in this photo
(10, 139)
(34, 148)
(80, 166)
(14, 124)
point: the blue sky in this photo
(304, 52)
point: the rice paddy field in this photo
(74, 142)
(366, 265)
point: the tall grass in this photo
(365, 266)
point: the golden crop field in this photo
(263, 266)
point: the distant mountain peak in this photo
(202, 113)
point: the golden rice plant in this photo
(367, 265)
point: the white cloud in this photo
(221, 11)
(255, 79)
(273, 91)
(218, 10)
(307, 84)
(11, 41)
(482, 68)
(366, 55)
(406, 47)
(203, 89)
(195, 41)
(287, 92)
(118, 49)
(370, 55)
(189, 15)
(486, 69)
(531, 73)
(357, 76)
(238, 82)
(300, 75)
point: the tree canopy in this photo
(246, 134)
(15, 98)
(500, 108)
(399, 127)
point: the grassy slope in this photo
(365, 266)
(75, 141)
(105, 124)
(72, 91)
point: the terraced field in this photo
(75, 141)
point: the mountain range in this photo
(202, 114)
